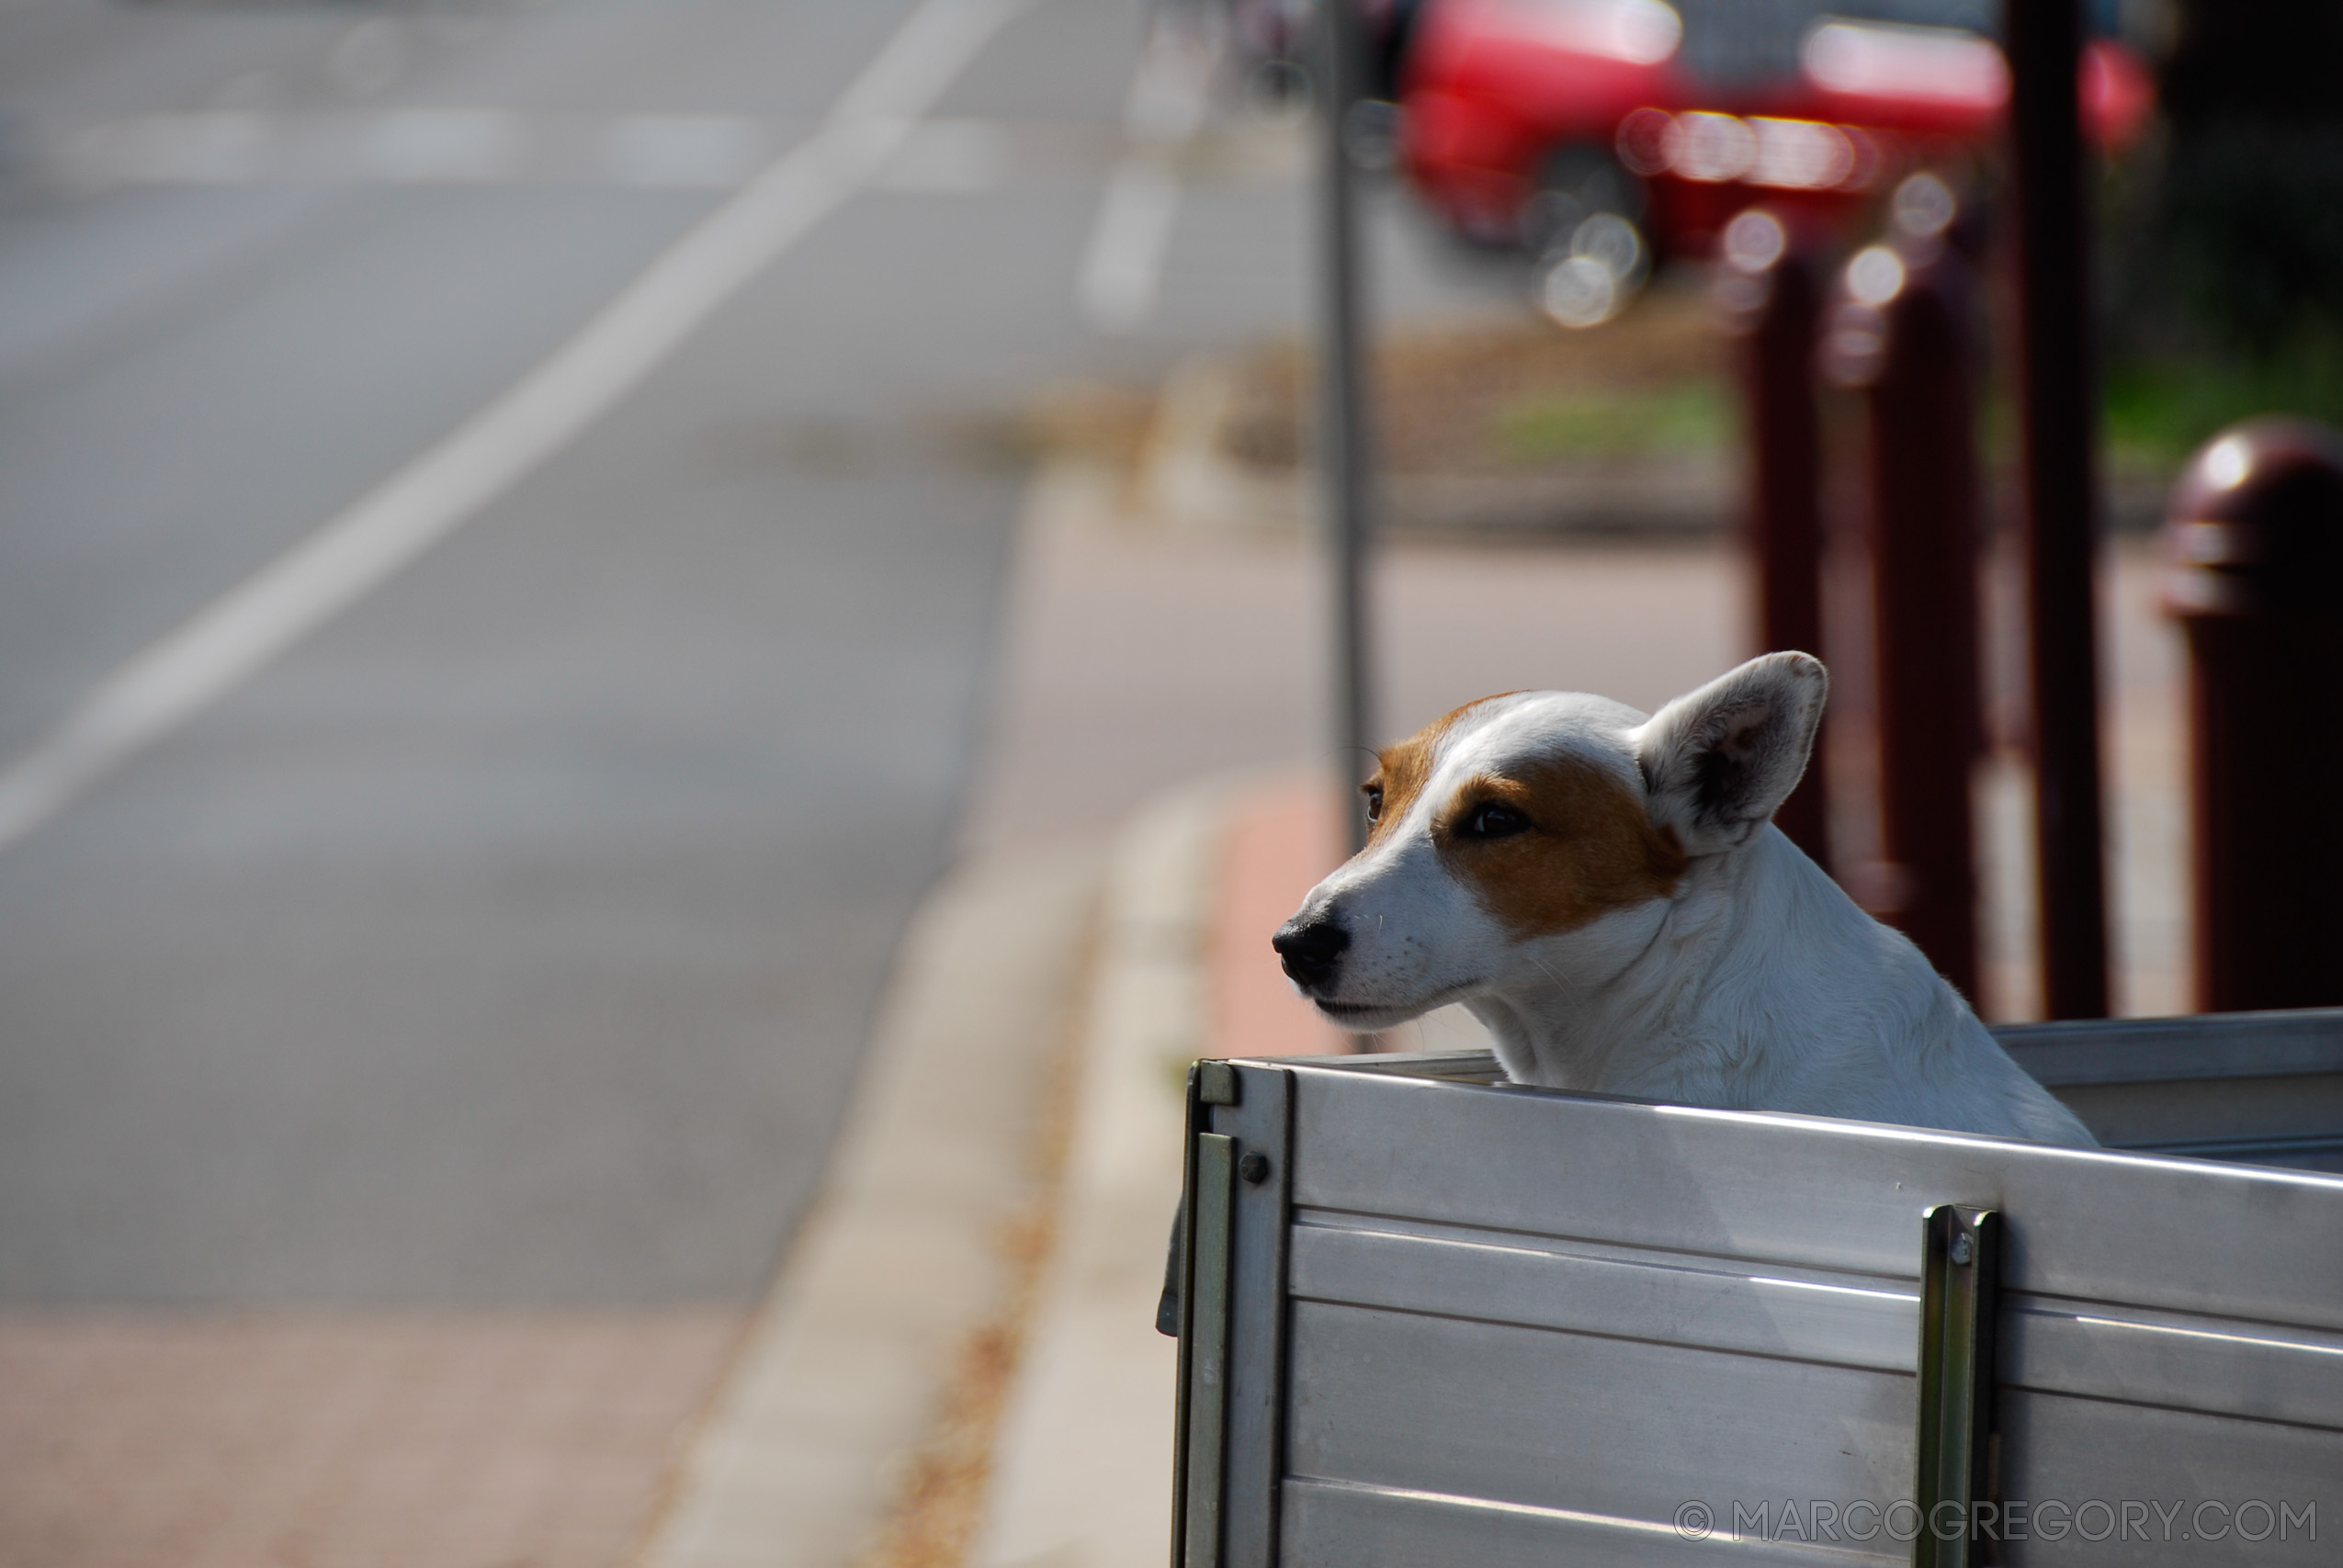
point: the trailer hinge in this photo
(1960, 1290)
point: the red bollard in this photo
(2254, 553)
(1766, 292)
(1901, 335)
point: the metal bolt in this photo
(1963, 1249)
(1254, 1168)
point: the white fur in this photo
(1755, 985)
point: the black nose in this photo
(1311, 949)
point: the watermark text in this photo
(1821, 1520)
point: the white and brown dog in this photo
(1607, 893)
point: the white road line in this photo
(1122, 265)
(446, 487)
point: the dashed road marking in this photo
(1122, 265)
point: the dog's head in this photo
(1539, 836)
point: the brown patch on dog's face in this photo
(1555, 845)
(1404, 767)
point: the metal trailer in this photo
(1428, 1318)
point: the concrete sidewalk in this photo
(1083, 1460)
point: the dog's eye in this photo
(1493, 821)
(1374, 794)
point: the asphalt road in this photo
(513, 938)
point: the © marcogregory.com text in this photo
(1818, 1520)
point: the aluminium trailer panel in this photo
(1435, 1319)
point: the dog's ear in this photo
(1718, 761)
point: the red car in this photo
(1525, 117)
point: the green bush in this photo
(2253, 212)
(1676, 418)
(2160, 409)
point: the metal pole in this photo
(2055, 387)
(1342, 438)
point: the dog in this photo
(1607, 893)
